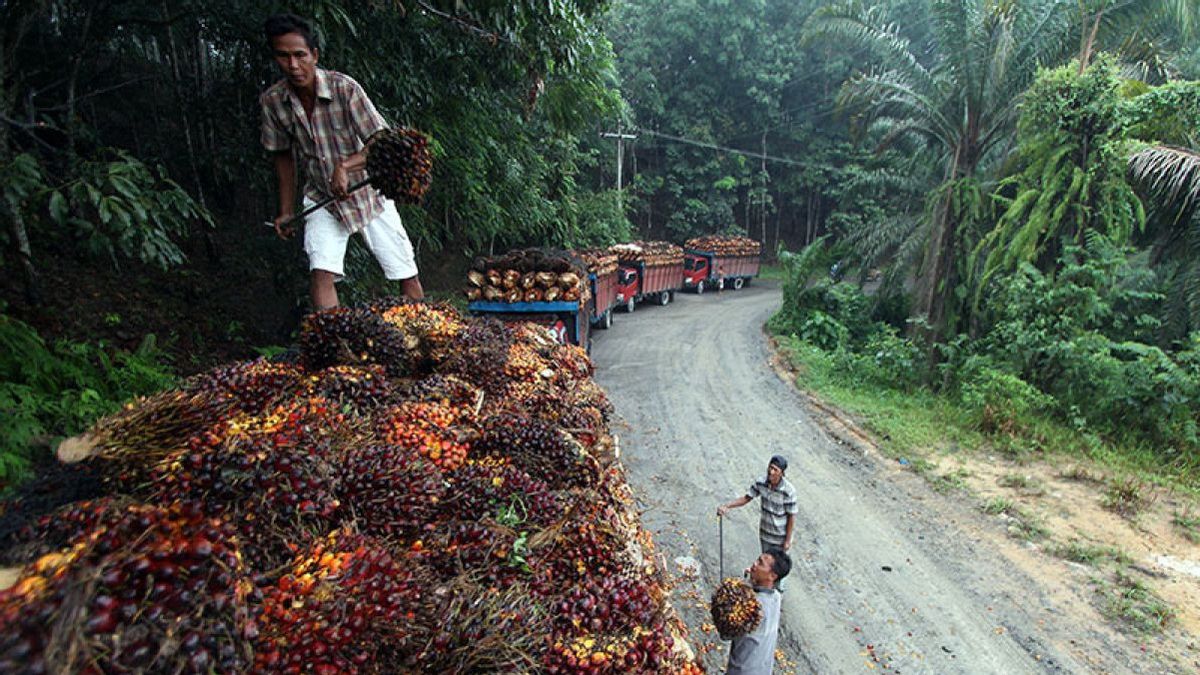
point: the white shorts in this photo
(325, 242)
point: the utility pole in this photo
(763, 211)
(621, 138)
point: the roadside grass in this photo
(998, 506)
(904, 422)
(1127, 497)
(920, 423)
(1189, 522)
(1089, 554)
(1128, 601)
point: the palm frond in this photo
(1169, 174)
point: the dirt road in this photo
(888, 578)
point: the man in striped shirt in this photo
(779, 507)
(322, 120)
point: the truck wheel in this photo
(629, 304)
(664, 297)
(699, 288)
(737, 284)
(606, 320)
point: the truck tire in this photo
(606, 320)
(664, 298)
(629, 305)
(737, 284)
(699, 288)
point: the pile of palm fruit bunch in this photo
(416, 492)
(400, 165)
(598, 261)
(735, 609)
(528, 275)
(652, 253)
(725, 245)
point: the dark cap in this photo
(779, 461)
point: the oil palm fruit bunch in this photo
(475, 547)
(250, 386)
(270, 475)
(599, 261)
(735, 609)
(445, 389)
(606, 604)
(147, 589)
(400, 165)
(430, 430)
(539, 449)
(486, 630)
(493, 485)
(390, 490)
(61, 527)
(479, 355)
(641, 651)
(429, 329)
(725, 245)
(360, 389)
(528, 275)
(352, 336)
(335, 605)
(130, 441)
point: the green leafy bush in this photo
(121, 209)
(999, 402)
(56, 390)
(824, 331)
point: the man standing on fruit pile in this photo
(779, 506)
(754, 653)
(325, 119)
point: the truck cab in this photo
(697, 269)
(628, 285)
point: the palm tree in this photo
(957, 97)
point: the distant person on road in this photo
(779, 506)
(754, 654)
(322, 120)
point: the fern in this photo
(57, 390)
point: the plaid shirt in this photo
(777, 505)
(343, 119)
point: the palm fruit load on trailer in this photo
(548, 287)
(716, 261)
(649, 270)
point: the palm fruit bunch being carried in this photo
(736, 611)
(400, 165)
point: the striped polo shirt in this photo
(777, 504)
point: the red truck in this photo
(704, 270)
(604, 298)
(636, 281)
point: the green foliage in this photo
(57, 390)
(998, 402)
(1073, 181)
(1062, 335)
(122, 209)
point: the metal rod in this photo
(721, 538)
(323, 203)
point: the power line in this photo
(713, 146)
